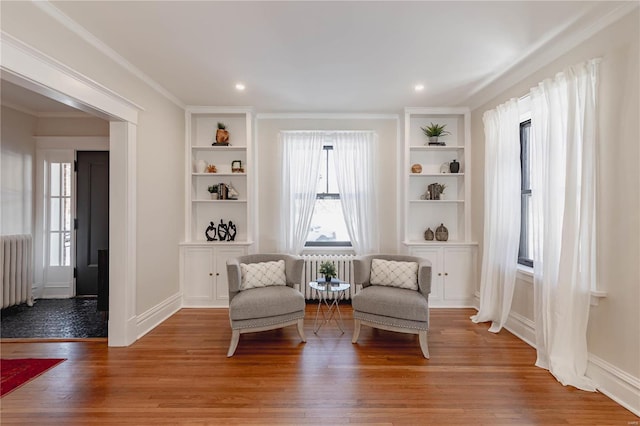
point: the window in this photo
(59, 214)
(328, 227)
(525, 252)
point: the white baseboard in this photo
(522, 327)
(618, 385)
(150, 319)
(57, 292)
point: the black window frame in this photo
(326, 195)
(525, 193)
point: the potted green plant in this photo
(328, 269)
(434, 131)
(213, 190)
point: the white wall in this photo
(269, 173)
(614, 325)
(18, 175)
(160, 152)
(75, 126)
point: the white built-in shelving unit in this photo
(203, 263)
(453, 261)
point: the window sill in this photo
(328, 250)
(525, 273)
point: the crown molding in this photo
(542, 54)
(87, 36)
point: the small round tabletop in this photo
(324, 286)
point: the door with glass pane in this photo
(58, 220)
(92, 232)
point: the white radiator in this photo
(344, 269)
(16, 261)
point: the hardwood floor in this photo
(179, 373)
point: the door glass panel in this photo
(66, 179)
(66, 253)
(54, 180)
(66, 210)
(54, 249)
(54, 215)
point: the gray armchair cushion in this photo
(293, 269)
(265, 302)
(362, 270)
(392, 302)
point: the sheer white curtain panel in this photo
(501, 214)
(354, 154)
(301, 159)
(564, 128)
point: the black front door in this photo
(92, 212)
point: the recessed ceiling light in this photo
(418, 87)
(240, 87)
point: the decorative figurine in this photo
(211, 228)
(212, 169)
(223, 231)
(222, 135)
(231, 236)
(416, 168)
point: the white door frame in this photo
(27, 67)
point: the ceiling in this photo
(334, 56)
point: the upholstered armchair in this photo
(394, 296)
(262, 295)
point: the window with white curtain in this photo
(328, 227)
(525, 252)
(329, 190)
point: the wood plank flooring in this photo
(179, 374)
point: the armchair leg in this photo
(301, 329)
(356, 331)
(235, 338)
(422, 336)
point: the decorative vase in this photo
(433, 140)
(201, 166)
(454, 166)
(442, 233)
(428, 234)
(416, 168)
(327, 278)
(222, 136)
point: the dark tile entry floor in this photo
(54, 318)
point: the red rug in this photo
(17, 372)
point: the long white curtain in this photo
(563, 123)
(355, 163)
(501, 214)
(301, 159)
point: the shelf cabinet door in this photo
(459, 267)
(221, 278)
(433, 255)
(452, 275)
(198, 276)
(204, 275)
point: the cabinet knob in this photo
(439, 273)
(446, 273)
(210, 274)
(217, 274)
